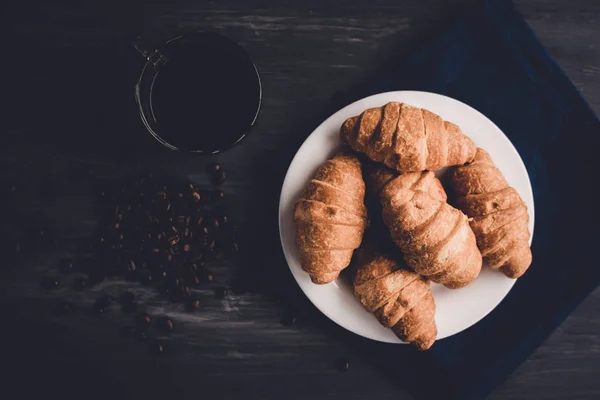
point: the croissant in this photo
(407, 138)
(331, 218)
(399, 298)
(435, 237)
(498, 215)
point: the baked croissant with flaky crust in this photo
(407, 138)
(331, 217)
(434, 237)
(400, 298)
(498, 215)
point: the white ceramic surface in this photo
(456, 309)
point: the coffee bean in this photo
(161, 196)
(219, 177)
(193, 304)
(140, 334)
(209, 277)
(126, 298)
(213, 168)
(131, 266)
(50, 283)
(165, 324)
(343, 365)
(80, 283)
(161, 275)
(221, 292)
(234, 247)
(157, 348)
(144, 319)
(215, 223)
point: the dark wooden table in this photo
(69, 77)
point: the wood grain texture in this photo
(69, 76)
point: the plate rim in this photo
(333, 116)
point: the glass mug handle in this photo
(152, 55)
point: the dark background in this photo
(68, 74)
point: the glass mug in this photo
(199, 92)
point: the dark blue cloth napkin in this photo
(491, 60)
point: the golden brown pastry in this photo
(400, 298)
(407, 138)
(498, 215)
(435, 237)
(331, 217)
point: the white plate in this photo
(456, 309)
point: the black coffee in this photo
(207, 95)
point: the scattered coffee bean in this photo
(66, 266)
(144, 319)
(343, 365)
(131, 266)
(80, 283)
(193, 304)
(213, 168)
(219, 177)
(104, 301)
(165, 324)
(221, 292)
(50, 283)
(140, 334)
(156, 229)
(234, 248)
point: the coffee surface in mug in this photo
(206, 95)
